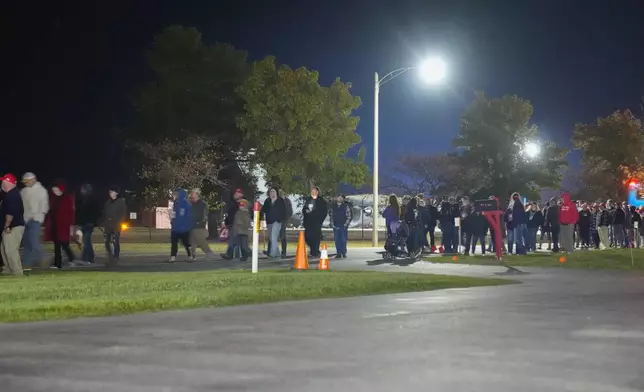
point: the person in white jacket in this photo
(35, 199)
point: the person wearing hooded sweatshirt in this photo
(568, 217)
(114, 214)
(341, 215)
(59, 224)
(88, 212)
(181, 222)
(314, 212)
(36, 203)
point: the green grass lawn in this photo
(216, 246)
(59, 295)
(606, 259)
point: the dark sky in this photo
(69, 67)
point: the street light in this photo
(433, 71)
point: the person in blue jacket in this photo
(181, 221)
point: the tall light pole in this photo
(433, 71)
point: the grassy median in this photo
(606, 259)
(61, 295)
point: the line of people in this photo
(276, 212)
(27, 211)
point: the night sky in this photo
(69, 68)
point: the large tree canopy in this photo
(193, 90)
(613, 153)
(302, 131)
(492, 135)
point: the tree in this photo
(613, 152)
(193, 90)
(434, 174)
(189, 162)
(303, 131)
(492, 135)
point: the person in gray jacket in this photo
(198, 233)
(114, 214)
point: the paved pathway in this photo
(560, 330)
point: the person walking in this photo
(36, 205)
(59, 224)
(13, 219)
(273, 212)
(88, 212)
(198, 233)
(619, 220)
(341, 216)
(568, 217)
(240, 231)
(314, 212)
(288, 208)
(230, 210)
(181, 222)
(114, 214)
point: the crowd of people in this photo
(276, 212)
(564, 224)
(64, 218)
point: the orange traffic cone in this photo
(455, 258)
(324, 259)
(301, 262)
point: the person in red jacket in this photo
(59, 223)
(568, 217)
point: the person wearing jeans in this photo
(534, 221)
(114, 214)
(36, 205)
(341, 216)
(274, 211)
(13, 220)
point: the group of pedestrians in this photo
(26, 212)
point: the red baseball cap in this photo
(10, 178)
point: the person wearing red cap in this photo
(13, 225)
(59, 224)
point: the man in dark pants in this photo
(552, 220)
(314, 212)
(447, 226)
(287, 218)
(432, 213)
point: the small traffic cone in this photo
(324, 259)
(301, 261)
(455, 258)
(562, 259)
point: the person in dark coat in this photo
(59, 224)
(584, 224)
(534, 221)
(113, 216)
(446, 220)
(552, 221)
(88, 212)
(230, 210)
(274, 212)
(432, 213)
(413, 219)
(518, 218)
(476, 231)
(314, 212)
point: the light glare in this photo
(433, 70)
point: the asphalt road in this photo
(560, 330)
